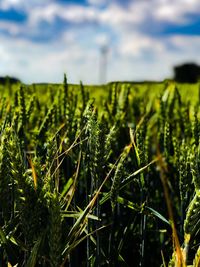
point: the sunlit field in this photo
(99, 175)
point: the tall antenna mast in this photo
(103, 63)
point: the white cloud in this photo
(6, 4)
(102, 39)
(186, 45)
(116, 15)
(175, 11)
(130, 66)
(23, 5)
(98, 2)
(34, 62)
(10, 27)
(135, 44)
(113, 15)
(71, 13)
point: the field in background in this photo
(100, 175)
(188, 91)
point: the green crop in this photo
(99, 175)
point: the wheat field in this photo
(100, 175)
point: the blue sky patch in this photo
(12, 15)
(192, 28)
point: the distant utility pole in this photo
(103, 64)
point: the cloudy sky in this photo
(141, 39)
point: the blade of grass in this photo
(180, 262)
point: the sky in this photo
(96, 41)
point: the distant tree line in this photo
(187, 73)
(8, 79)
